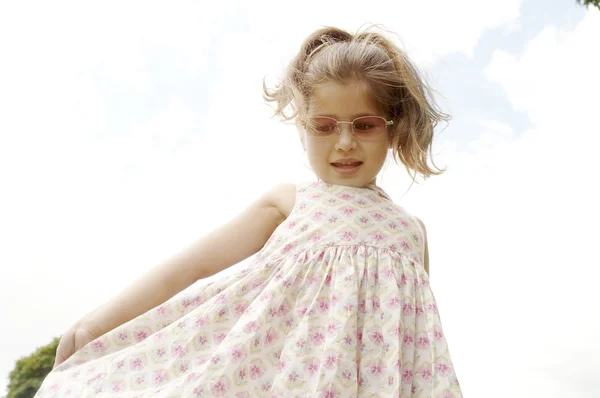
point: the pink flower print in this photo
(120, 364)
(273, 312)
(317, 337)
(437, 333)
(237, 353)
(98, 346)
(218, 337)
(377, 216)
(302, 311)
(432, 308)
(333, 327)
(375, 303)
(122, 337)
(181, 325)
(332, 220)
(331, 201)
(281, 365)
(266, 386)
(312, 366)
(304, 228)
(287, 283)
(270, 337)
(328, 280)
(393, 302)
(289, 247)
(323, 305)
(160, 352)
(408, 338)
(377, 237)
(348, 236)
(301, 343)
(347, 211)
(242, 376)
(393, 225)
(184, 367)
(403, 280)
(139, 380)
(292, 224)
(200, 322)
(361, 202)
(347, 374)
(117, 386)
(425, 373)
(317, 215)
(178, 350)
(442, 368)
(283, 310)
(198, 391)
(201, 340)
(302, 206)
(346, 196)
(215, 360)
(136, 363)
(398, 365)
(316, 237)
(159, 378)
(362, 305)
(376, 368)
(405, 245)
(186, 302)
(422, 342)
(331, 361)
(393, 247)
(315, 196)
(363, 220)
(348, 341)
(397, 330)
(419, 309)
(330, 392)
(376, 337)
(390, 380)
(293, 376)
(240, 308)
(256, 372)
(162, 310)
(289, 322)
(219, 389)
(140, 335)
(321, 255)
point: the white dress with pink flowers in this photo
(336, 304)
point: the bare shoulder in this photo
(282, 197)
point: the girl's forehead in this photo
(334, 99)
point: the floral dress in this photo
(336, 304)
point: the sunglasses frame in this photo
(338, 122)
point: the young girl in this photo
(336, 302)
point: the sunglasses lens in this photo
(321, 126)
(369, 126)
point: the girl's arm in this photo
(228, 245)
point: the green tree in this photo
(587, 3)
(29, 372)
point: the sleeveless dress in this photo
(336, 304)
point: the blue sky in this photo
(130, 129)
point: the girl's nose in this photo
(346, 139)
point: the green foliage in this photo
(29, 372)
(587, 3)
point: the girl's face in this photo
(345, 103)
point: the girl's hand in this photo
(75, 337)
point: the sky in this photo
(130, 129)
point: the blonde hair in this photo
(332, 54)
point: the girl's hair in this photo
(332, 54)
